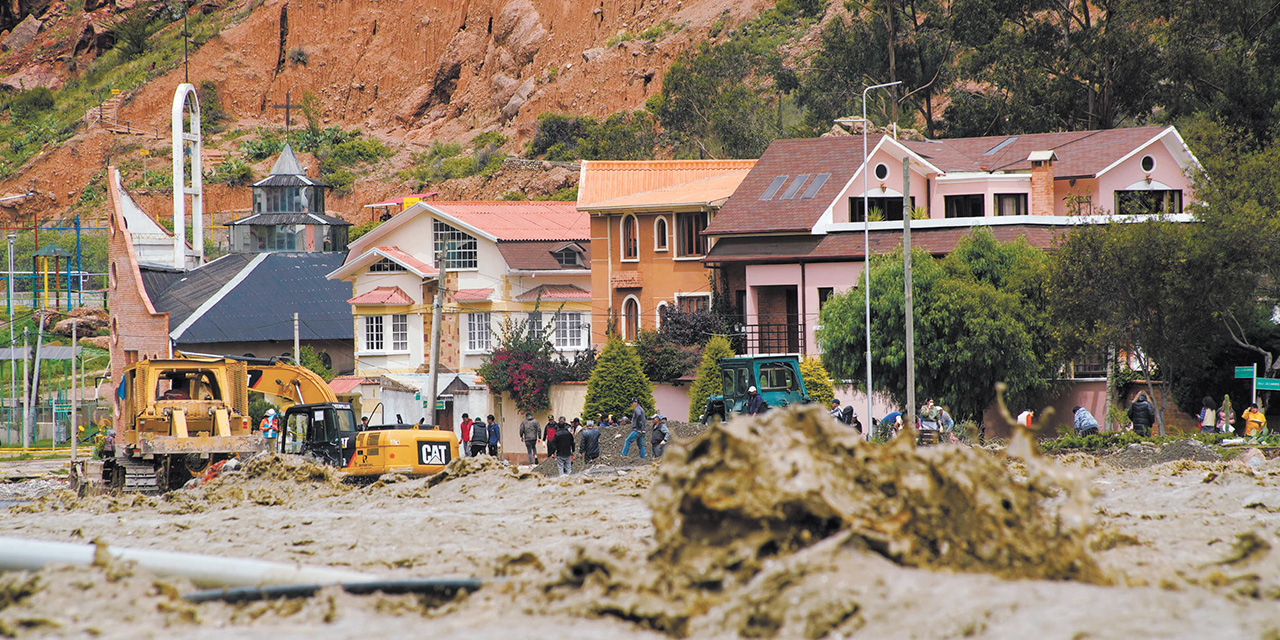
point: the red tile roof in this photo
(521, 220)
(838, 247)
(472, 295)
(407, 260)
(343, 385)
(382, 295)
(1080, 153)
(555, 292)
(537, 256)
(745, 212)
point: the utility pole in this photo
(910, 311)
(13, 363)
(297, 352)
(74, 400)
(26, 397)
(34, 403)
(437, 310)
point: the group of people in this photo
(931, 418)
(559, 436)
(659, 436)
(480, 436)
(1221, 419)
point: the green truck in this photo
(776, 378)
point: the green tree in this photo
(718, 100)
(617, 378)
(1152, 289)
(707, 382)
(521, 365)
(1046, 68)
(664, 360)
(817, 382)
(979, 319)
(311, 360)
(887, 40)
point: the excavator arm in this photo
(289, 384)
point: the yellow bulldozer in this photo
(174, 418)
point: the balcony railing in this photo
(782, 333)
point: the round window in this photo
(882, 171)
(1148, 163)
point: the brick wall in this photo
(1042, 195)
(138, 331)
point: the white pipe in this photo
(18, 554)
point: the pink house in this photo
(792, 233)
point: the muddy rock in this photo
(39, 75)
(518, 28)
(592, 54)
(22, 35)
(85, 326)
(1251, 457)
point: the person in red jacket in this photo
(465, 436)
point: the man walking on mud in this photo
(564, 451)
(637, 428)
(529, 429)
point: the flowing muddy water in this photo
(788, 526)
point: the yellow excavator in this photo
(173, 418)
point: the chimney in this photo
(1042, 197)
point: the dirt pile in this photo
(463, 467)
(1145, 454)
(757, 512)
(266, 479)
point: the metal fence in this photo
(53, 423)
(781, 333)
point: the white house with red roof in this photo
(502, 260)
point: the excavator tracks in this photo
(140, 476)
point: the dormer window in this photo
(386, 266)
(568, 257)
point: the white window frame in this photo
(442, 232)
(400, 332)
(479, 332)
(536, 322)
(622, 238)
(570, 331)
(625, 325)
(685, 296)
(665, 237)
(374, 326)
(657, 314)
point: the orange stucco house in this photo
(647, 245)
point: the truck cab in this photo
(776, 378)
(325, 430)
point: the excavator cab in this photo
(326, 431)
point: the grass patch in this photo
(447, 161)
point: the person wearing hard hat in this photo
(755, 404)
(270, 427)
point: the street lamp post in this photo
(13, 366)
(866, 242)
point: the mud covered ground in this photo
(741, 533)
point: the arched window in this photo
(630, 238)
(662, 307)
(660, 234)
(630, 319)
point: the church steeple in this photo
(288, 213)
